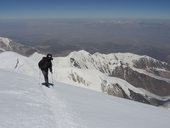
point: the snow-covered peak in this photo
(5, 41)
(36, 56)
(124, 57)
(81, 52)
(107, 63)
(84, 59)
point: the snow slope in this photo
(25, 103)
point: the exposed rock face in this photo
(116, 90)
(151, 65)
(78, 79)
(138, 97)
(113, 89)
(74, 63)
(137, 79)
(147, 62)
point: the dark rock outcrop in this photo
(147, 62)
(139, 80)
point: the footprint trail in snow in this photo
(64, 116)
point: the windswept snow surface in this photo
(24, 103)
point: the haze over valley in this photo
(62, 36)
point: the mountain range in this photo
(134, 77)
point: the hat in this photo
(50, 56)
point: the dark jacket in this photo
(45, 64)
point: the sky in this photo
(34, 9)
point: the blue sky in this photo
(21, 9)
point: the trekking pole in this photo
(39, 77)
(52, 78)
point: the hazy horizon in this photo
(60, 36)
(61, 26)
